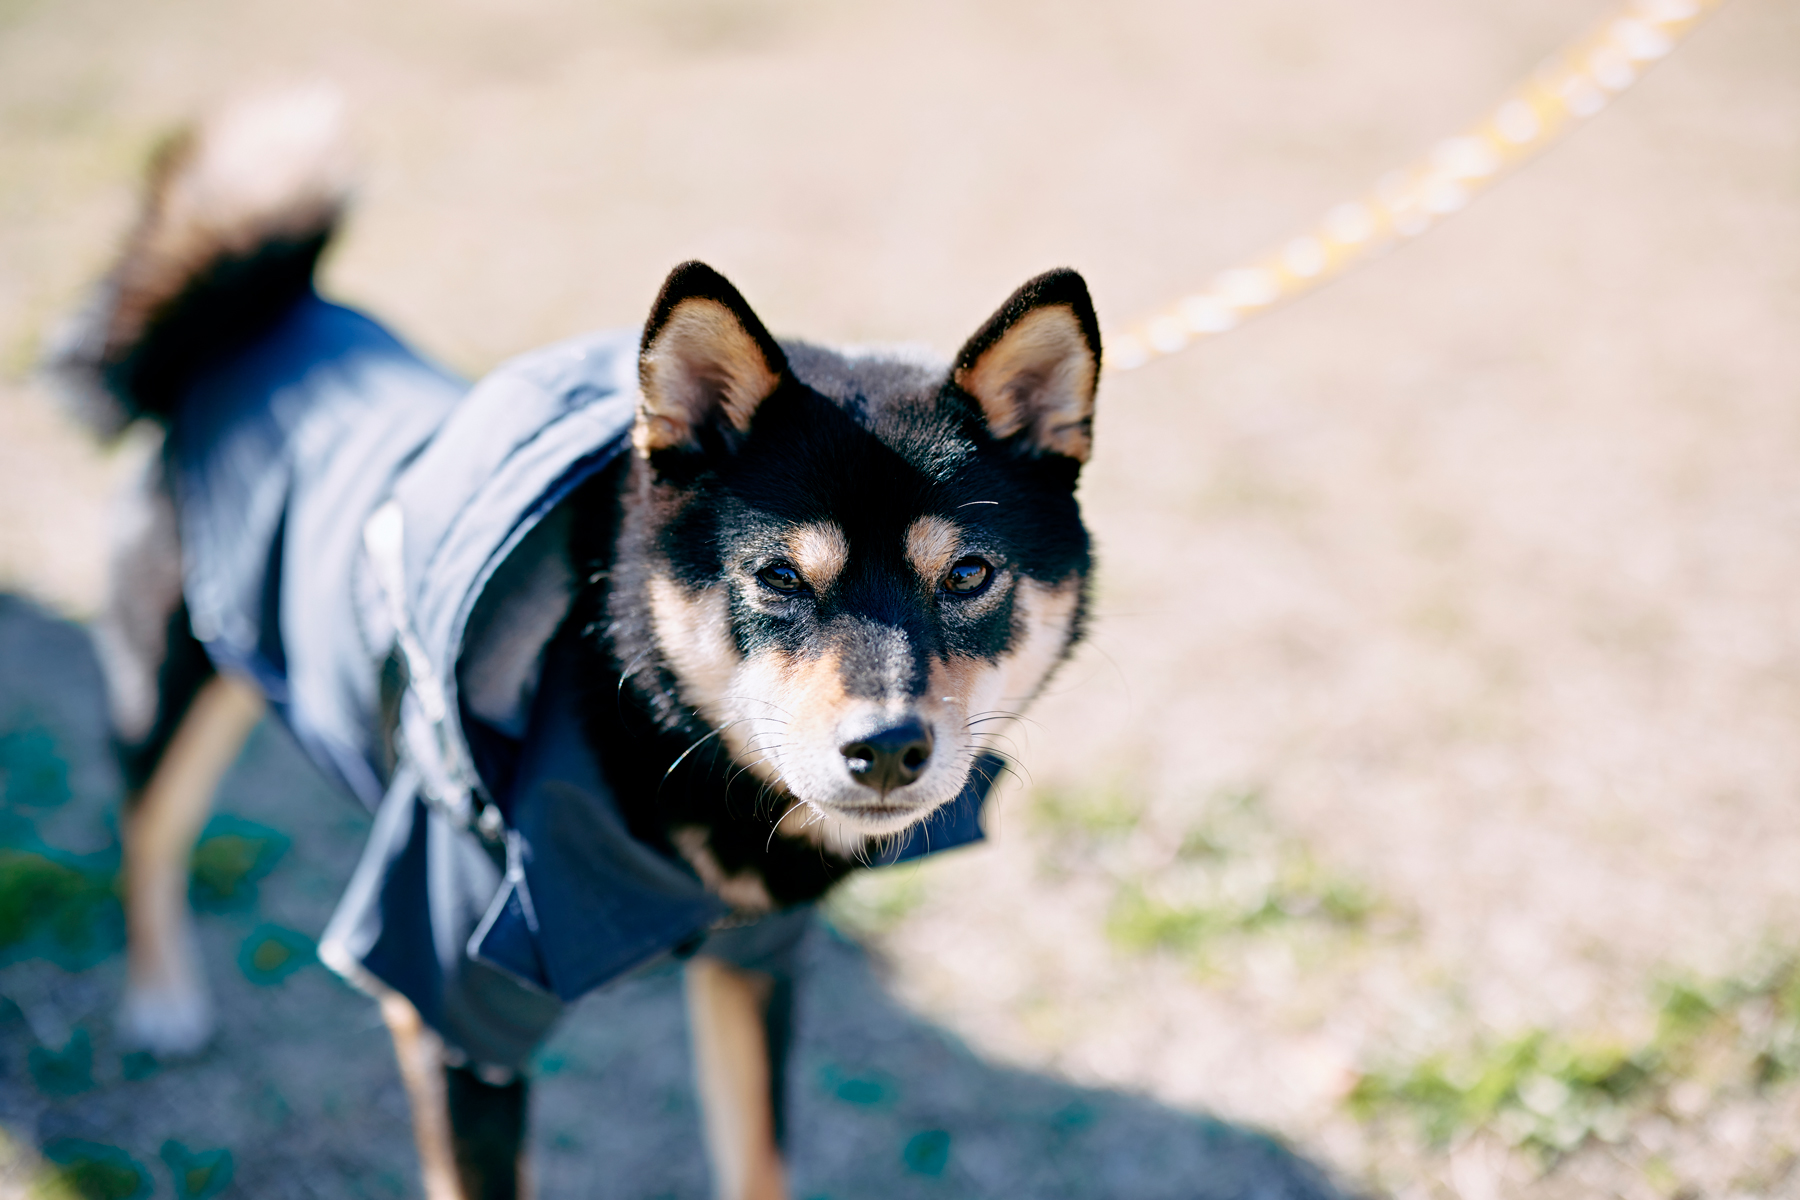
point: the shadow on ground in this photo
(298, 1095)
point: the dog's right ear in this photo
(705, 363)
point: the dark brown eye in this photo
(781, 577)
(968, 577)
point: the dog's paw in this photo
(169, 1022)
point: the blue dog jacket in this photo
(347, 507)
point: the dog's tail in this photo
(234, 215)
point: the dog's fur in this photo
(813, 584)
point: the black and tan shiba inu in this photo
(778, 621)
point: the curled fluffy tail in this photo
(235, 214)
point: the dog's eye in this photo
(968, 577)
(781, 577)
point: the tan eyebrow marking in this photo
(820, 550)
(931, 546)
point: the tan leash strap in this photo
(1568, 89)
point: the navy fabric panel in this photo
(269, 650)
(602, 901)
(508, 941)
(768, 945)
(513, 449)
(356, 924)
(496, 759)
(418, 893)
(403, 953)
(494, 1018)
(278, 454)
(509, 409)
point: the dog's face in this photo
(860, 565)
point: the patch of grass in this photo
(223, 865)
(198, 1175)
(1142, 922)
(233, 855)
(53, 904)
(927, 1153)
(33, 772)
(23, 1170)
(94, 1171)
(1550, 1092)
(870, 903)
(65, 1072)
(271, 953)
(1537, 1090)
(865, 1089)
(716, 26)
(1752, 1018)
(14, 12)
(1101, 813)
(64, 905)
(1234, 874)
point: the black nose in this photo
(890, 758)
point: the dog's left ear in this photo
(705, 362)
(1034, 366)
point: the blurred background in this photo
(1428, 795)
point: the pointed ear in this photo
(705, 361)
(1034, 366)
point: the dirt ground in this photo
(1427, 793)
(298, 1098)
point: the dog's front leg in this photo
(470, 1133)
(421, 1058)
(739, 1020)
(487, 1134)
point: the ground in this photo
(1426, 796)
(298, 1096)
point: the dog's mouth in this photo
(872, 822)
(881, 812)
(846, 827)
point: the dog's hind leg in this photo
(739, 1021)
(177, 726)
(166, 1009)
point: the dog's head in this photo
(853, 564)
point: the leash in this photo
(1566, 90)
